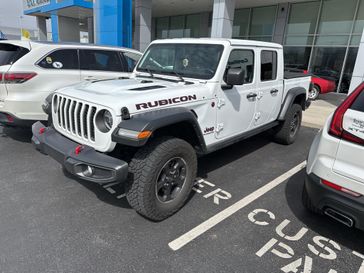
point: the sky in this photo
(10, 12)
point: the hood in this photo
(137, 94)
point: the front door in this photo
(236, 105)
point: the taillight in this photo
(1, 77)
(18, 77)
(339, 188)
(336, 126)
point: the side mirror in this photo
(235, 76)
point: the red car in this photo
(320, 86)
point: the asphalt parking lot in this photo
(54, 223)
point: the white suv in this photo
(334, 183)
(30, 71)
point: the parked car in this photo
(30, 71)
(187, 97)
(320, 86)
(334, 184)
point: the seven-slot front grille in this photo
(75, 117)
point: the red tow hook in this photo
(42, 130)
(78, 149)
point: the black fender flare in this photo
(292, 94)
(154, 120)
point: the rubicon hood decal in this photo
(162, 102)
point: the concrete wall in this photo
(143, 24)
(68, 29)
(282, 17)
(42, 28)
(222, 18)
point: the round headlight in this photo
(104, 121)
(108, 122)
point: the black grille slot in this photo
(63, 117)
(78, 114)
(92, 124)
(72, 115)
(84, 121)
(66, 113)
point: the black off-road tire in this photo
(144, 170)
(306, 201)
(283, 132)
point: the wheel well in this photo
(300, 100)
(183, 130)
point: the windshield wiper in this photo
(178, 75)
(150, 72)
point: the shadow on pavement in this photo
(321, 224)
(113, 198)
(17, 134)
(231, 153)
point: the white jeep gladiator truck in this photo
(186, 97)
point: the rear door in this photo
(269, 87)
(350, 155)
(101, 64)
(9, 54)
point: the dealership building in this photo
(322, 36)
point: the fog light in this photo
(88, 172)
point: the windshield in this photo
(198, 61)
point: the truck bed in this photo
(293, 79)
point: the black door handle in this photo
(274, 91)
(251, 95)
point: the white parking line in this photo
(221, 216)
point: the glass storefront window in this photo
(192, 26)
(355, 40)
(241, 23)
(299, 40)
(348, 70)
(262, 21)
(261, 38)
(162, 25)
(336, 16)
(327, 40)
(327, 62)
(177, 26)
(359, 22)
(296, 57)
(302, 19)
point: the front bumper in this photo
(323, 197)
(86, 163)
